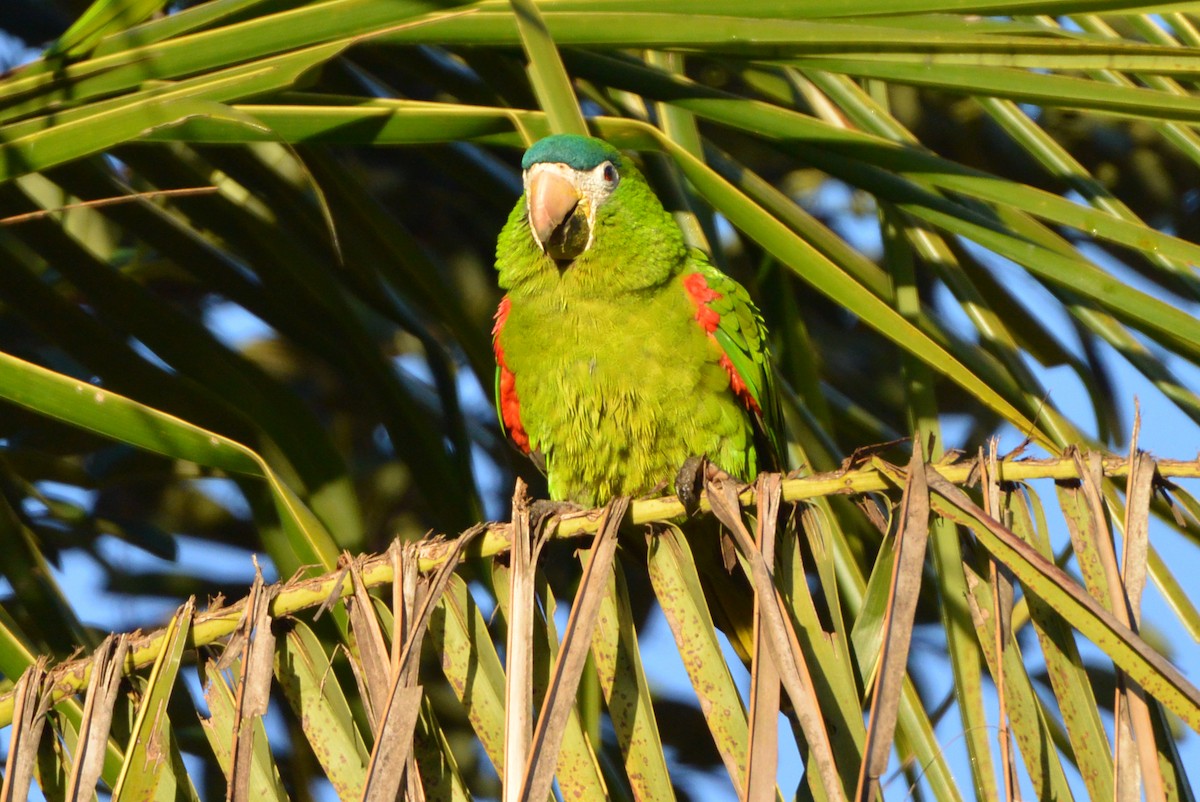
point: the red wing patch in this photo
(709, 319)
(509, 404)
(702, 295)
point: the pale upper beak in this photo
(552, 199)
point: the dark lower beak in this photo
(558, 223)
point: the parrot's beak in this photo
(559, 223)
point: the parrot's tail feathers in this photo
(731, 602)
(728, 591)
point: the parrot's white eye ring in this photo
(609, 173)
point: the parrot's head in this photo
(588, 224)
(568, 178)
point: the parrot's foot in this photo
(691, 479)
(689, 482)
(543, 510)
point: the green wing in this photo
(741, 334)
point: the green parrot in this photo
(621, 352)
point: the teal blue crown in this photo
(575, 151)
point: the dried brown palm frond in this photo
(831, 677)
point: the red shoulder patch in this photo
(702, 295)
(509, 404)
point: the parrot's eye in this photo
(610, 173)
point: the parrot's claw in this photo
(543, 510)
(690, 481)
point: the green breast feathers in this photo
(621, 352)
